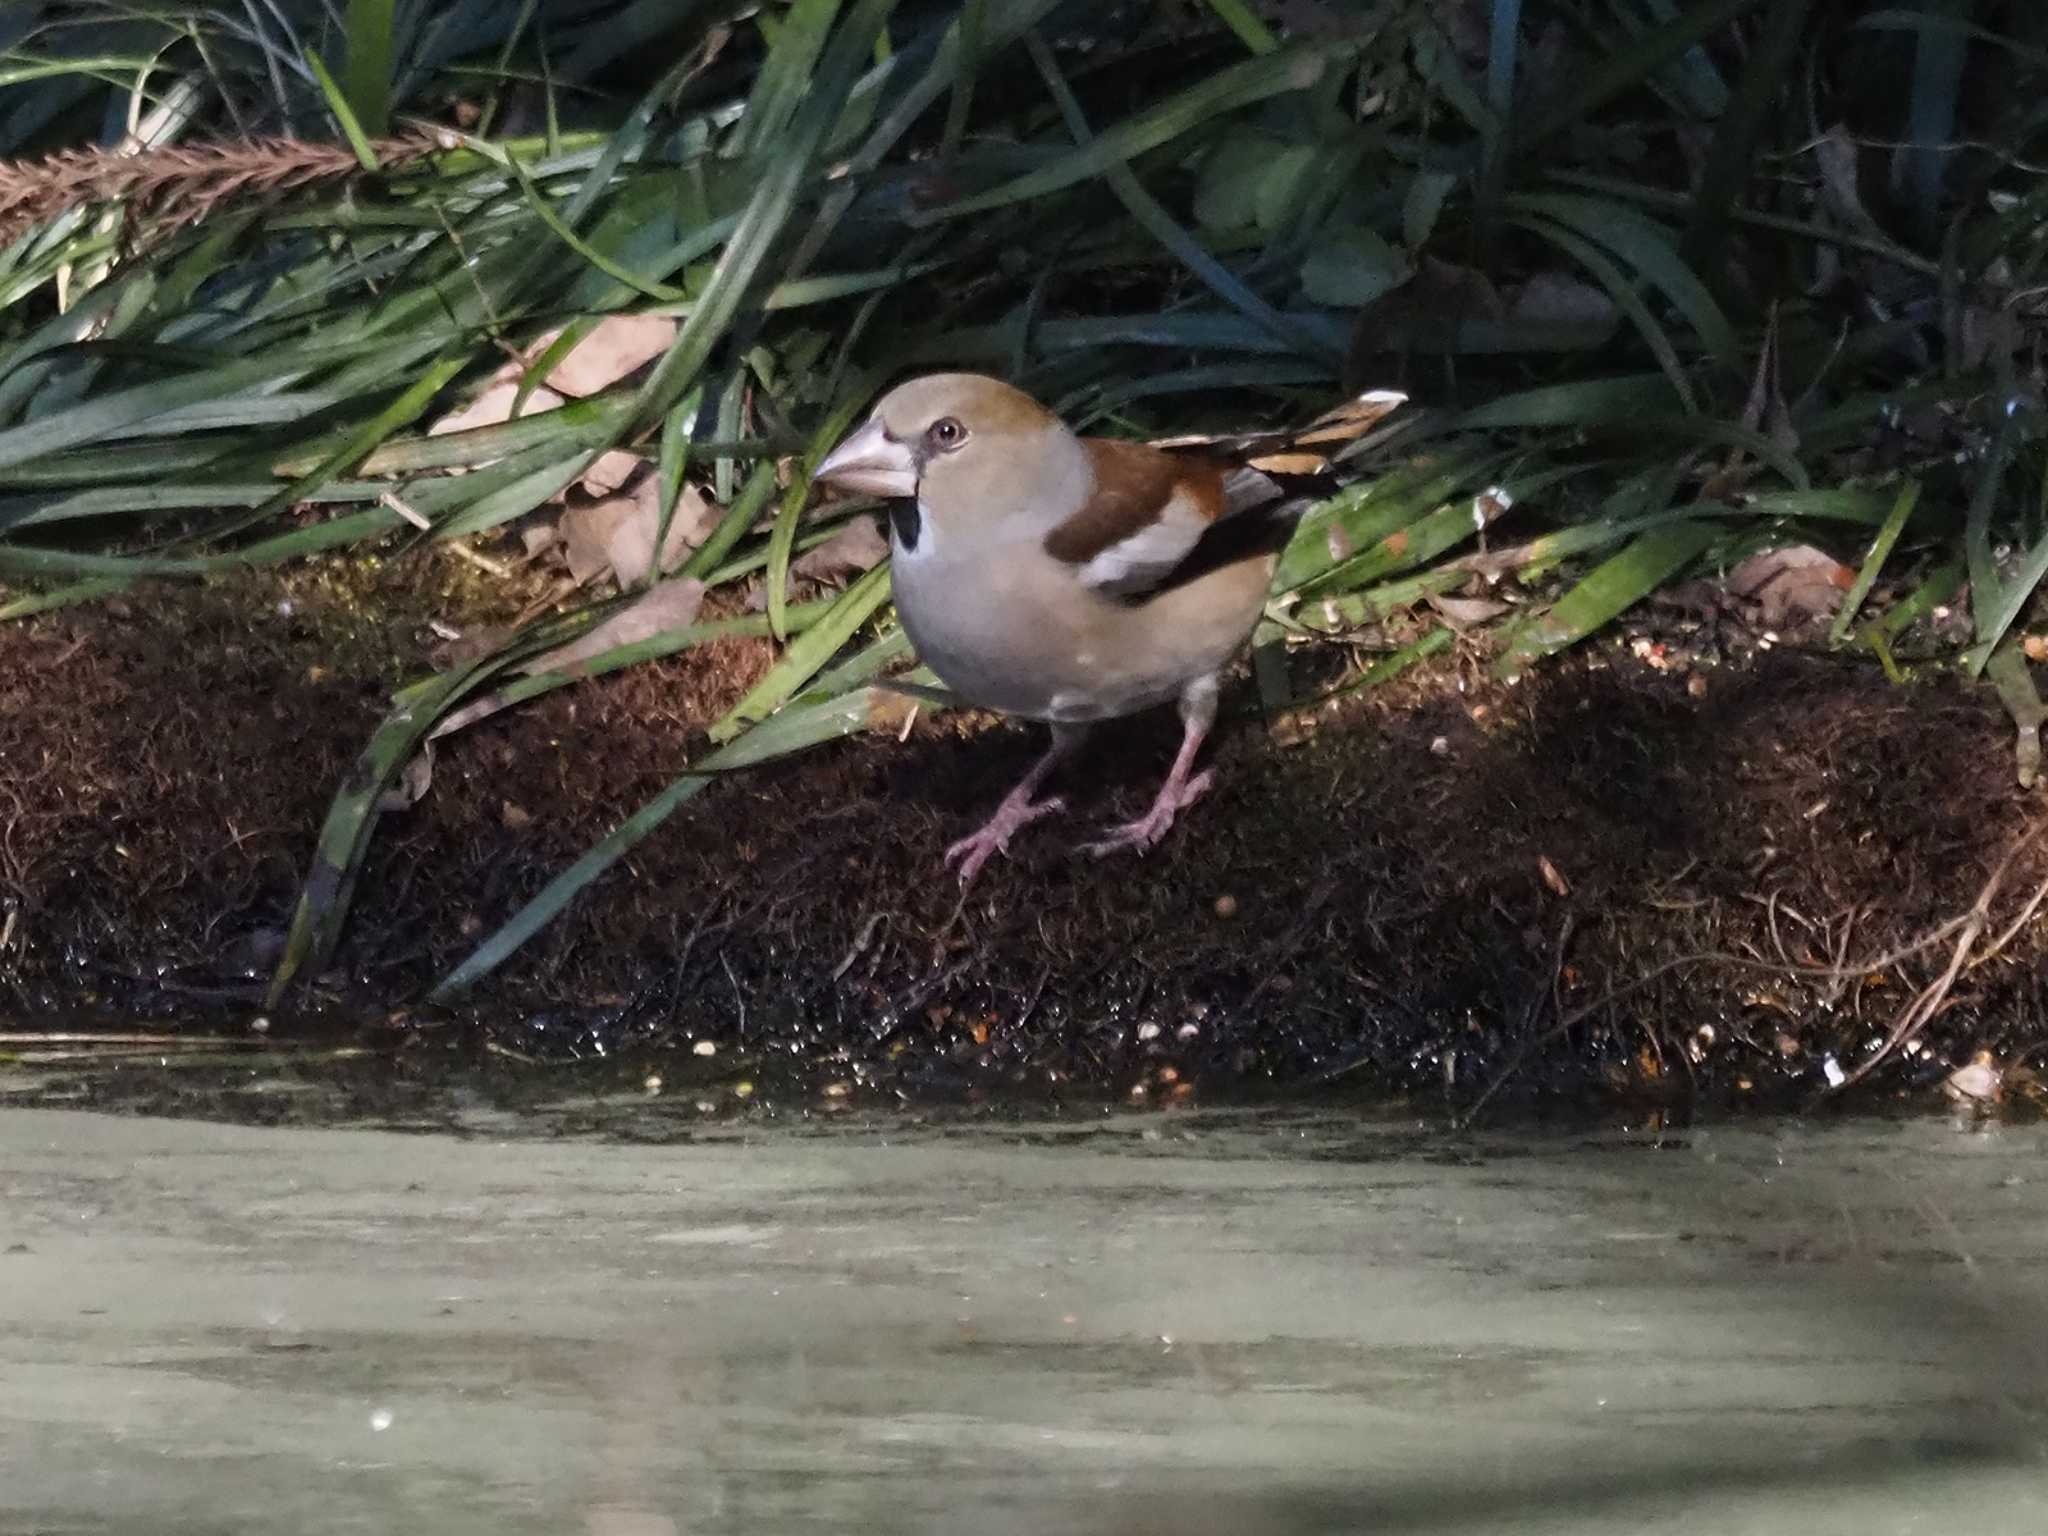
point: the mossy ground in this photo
(1400, 896)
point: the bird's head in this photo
(970, 450)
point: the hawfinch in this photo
(1068, 579)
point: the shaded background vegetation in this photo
(1667, 283)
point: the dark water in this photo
(1193, 1323)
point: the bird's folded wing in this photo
(1292, 450)
(1146, 511)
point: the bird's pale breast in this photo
(1010, 628)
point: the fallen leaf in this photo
(414, 779)
(1552, 298)
(1292, 463)
(614, 467)
(857, 547)
(631, 545)
(1791, 585)
(670, 605)
(495, 405)
(586, 530)
(618, 345)
(617, 533)
(1463, 612)
(474, 643)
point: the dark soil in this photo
(1613, 881)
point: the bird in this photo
(1071, 580)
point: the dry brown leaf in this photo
(617, 533)
(1552, 298)
(614, 467)
(857, 547)
(670, 605)
(477, 642)
(495, 405)
(618, 345)
(1291, 463)
(1463, 612)
(414, 780)
(586, 531)
(1791, 585)
(631, 545)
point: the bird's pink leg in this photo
(1018, 809)
(1183, 786)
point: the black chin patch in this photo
(906, 522)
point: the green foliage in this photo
(1647, 319)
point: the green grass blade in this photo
(744, 512)
(369, 64)
(1583, 403)
(1251, 31)
(1295, 68)
(1614, 585)
(1626, 68)
(1649, 248)
(782, 538)
(1880, 551)
(789, 732)
(344, 115)
(767, 213)
(1152, 216)
(807, 653)
(1624, 294)
(325, 897)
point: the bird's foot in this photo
(1146, 831)
(1011, 816)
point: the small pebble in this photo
(705, 1048)
(1978, 1080)
(1148, 1031)
(1226, 906)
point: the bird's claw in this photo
(1145, 833)
(976, 849)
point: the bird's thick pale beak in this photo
(871, 461)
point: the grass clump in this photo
(1668, 284)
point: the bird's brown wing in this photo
(1146, 512)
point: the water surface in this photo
(1197, 1323)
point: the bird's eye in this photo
(947, 434)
